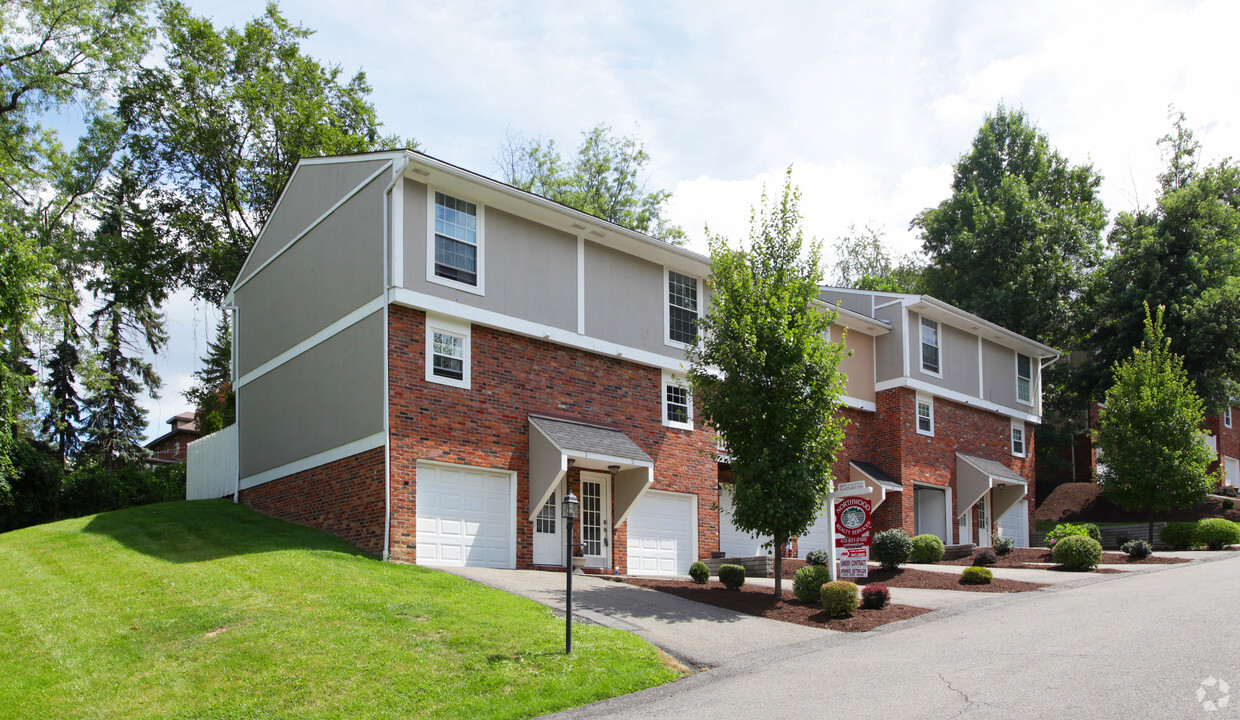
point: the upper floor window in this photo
(458, 236)
(682, 307)
(930, 346)
(1018, 438)
(1227, 416)
(1024, 379)
(925, 414)
(677, 403)
(447, 356)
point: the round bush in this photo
(1004, 545)
(1077, 552)
(817, 557)
(732, 576)
(1063, 530)
(1137, 549)
(1093, 531)
(808, 581)
(927, 549)
(985, 557)
(1179, 535)
(839, 598)
(875, 596)
(977, 576)
(1228, 503)
(699, 572)
(891, 548)
(1217, 533)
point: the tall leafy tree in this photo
(223, 120)
(1183, 254)
(606, 178)
(24, 269)
(1153, 449)
(1015, 241)
(764, 376)
(865, 262)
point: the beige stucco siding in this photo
(324, 398)
(626, 300)
(957, 357)
(889, 348)
(859, 366)
(313, 190)
(999, 375)
(331, 271)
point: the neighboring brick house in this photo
(171, 446)
(941, 406)
(426, 360)
(1225, 435)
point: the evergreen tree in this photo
(212, 394)
(63, 415)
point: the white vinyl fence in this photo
(211, 470)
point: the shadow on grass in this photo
(202, 530)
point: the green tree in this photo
(1183, 254)
(213, 397)
(24, 269)
(605, 179)
(223, 121)
(1015, 241)
(863, 261)
(1153, 450)
(764, 376)
(63, 413)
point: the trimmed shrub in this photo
(1093, 531)
(808, 581)
(732, 576)
(1179, 535)
(1217, 533)
(1077, 552)
(839, 598)
(977, 576)
(1004, 545)
(1137, 549)
(891, 548)
(984, 557)
(1063, 530)
(927, 549)
(699, 572)
(875, 596)
(1228, 503)
(818, 557)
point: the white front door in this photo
(1232, 466)
(983, 521)
(595, 516)
(548, 540)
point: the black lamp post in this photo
(569, 509)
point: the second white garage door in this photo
(662, 532)
(465, 517)
(1015, 524)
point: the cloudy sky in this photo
(871, 103)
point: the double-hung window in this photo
(1227, 416)
(682, 307)
(1024, 379)
(447, 352)
(925, 414)
(677, 403)
(457, 240)
(1018, 437)
(930, 346)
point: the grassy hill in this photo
(209, 610)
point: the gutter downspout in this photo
(389, 239)
(232, 310)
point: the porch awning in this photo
(875, 478)
(555, 441)
(976, 476)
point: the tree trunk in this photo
(780, 541)
(1151, 527)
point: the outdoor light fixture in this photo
(569, 510)
(613, 469)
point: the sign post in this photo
(850, 529)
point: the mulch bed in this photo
(760, 601)
(1083, 502)
(1030, 557)
(926, 579)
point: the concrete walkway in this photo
(696, 634)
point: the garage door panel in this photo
(464, 517)
(662, 534)
(1015, 523)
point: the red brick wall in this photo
(486, 426)
(1228, 439)
(344, 498)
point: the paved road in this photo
(1134, 645)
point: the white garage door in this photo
(663, 534)
(1015, 523)
(818, 537)
(733, 541)
(465, 517)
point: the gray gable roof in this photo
(877, 475)
(991, 467)
(573, 436)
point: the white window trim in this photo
(1227, 416)
(453, 327)
(1024, 438)
(923, 399)
(921, 346)
(667, 306)
(673, 379)
(1032, 380)
(480, 236)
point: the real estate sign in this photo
(852, 522)
(853, 561)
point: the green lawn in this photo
(209, 610)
